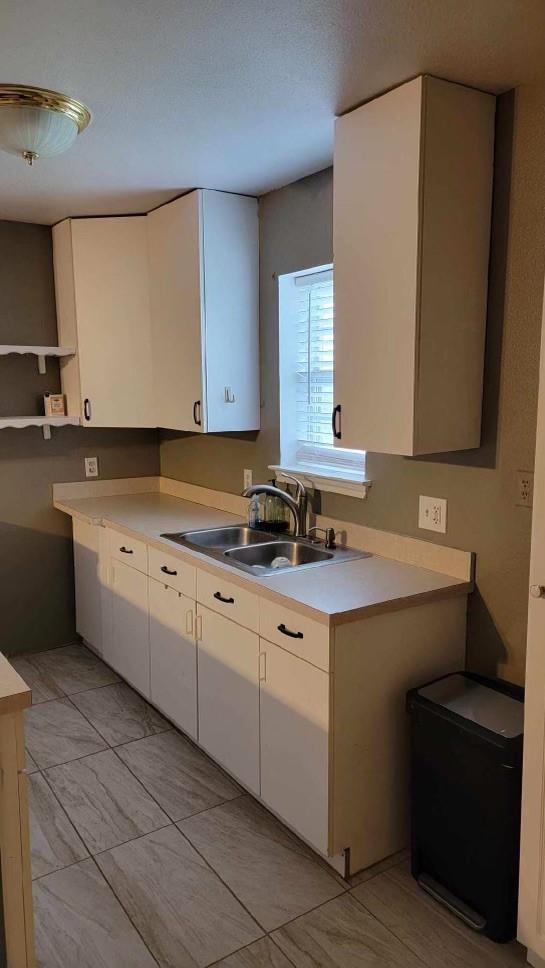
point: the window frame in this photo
(321, 474)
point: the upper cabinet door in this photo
(204, 275)
(102, 286)
(412, 200)
(177, 311)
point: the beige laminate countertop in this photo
(14, 692)
(331, 594)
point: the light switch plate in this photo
(91, 466)
(432, 513)
(248, 477)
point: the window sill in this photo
(318, 480)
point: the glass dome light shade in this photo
(36, 122)
(39, 131)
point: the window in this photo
(306, 382)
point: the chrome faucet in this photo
(297, 505)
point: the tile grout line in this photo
(76, 831)
(123, 908)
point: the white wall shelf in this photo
(46, 423)
(6, 349)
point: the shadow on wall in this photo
(37, 582)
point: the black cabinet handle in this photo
(167, 571)
(226, 601)
(336, 429)
(197, 410)
(285, 631)
(87, 408)
(126, 551)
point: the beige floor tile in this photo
(54, 842)
(383, 865)
(185, 914)
(80, 923)
(119, 714)
(181, 778)
(340, 934)
(56, 732)
(42, 685)
(260, 954)
(104, 801)
(427, 928)
(268, 868)
(73, 669)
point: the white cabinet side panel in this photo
(457, 198)
(231, 286)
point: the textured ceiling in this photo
(232, 94)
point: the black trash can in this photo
(466, 776)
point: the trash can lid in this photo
(478, 703)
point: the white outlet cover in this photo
(248, 477)
(432, 513)
(91, 466)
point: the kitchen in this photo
(161, 472)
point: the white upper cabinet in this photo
(102, 289)
(412, 200)
(204, 277)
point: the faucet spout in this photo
(297, 505)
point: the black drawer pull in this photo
(167, 571)
(126, 551)
(285, 631)
(226, 601)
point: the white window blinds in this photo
(314, 363)
(312, 342)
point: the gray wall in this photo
(296, 232)
(36, 570)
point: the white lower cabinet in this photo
(228, 670)
(294, 700)
(87, 582)
(173, 655)
(127, 648)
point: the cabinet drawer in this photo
(130, 551)
(294, 632)
(172, 571)
(228, 599)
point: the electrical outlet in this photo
(432, 513)
(525, 489)
(248, 477)
(91, 466)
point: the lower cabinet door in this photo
(228, 671)
(173, 655)
(295, 742)
(127, 649)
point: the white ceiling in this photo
(231, 94)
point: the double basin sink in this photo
(259, 552)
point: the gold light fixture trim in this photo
(40, 97)
(53, 140)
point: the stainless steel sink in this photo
(289, 554)
(255, 551)
(220, 539)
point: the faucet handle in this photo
(295, 480)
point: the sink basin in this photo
(254, 551)
(220, 539)
(295, 552)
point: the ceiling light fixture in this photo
(36, 123)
